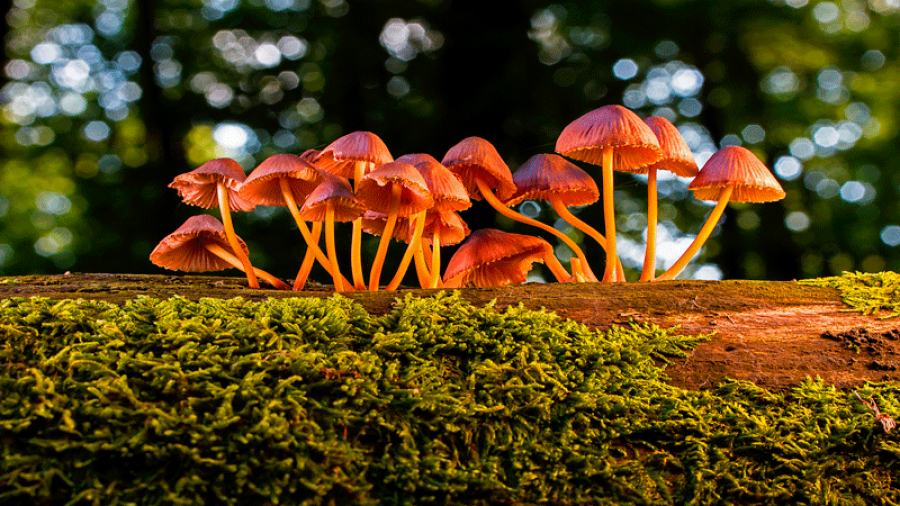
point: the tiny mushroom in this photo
(200, 244)
(615, 138)
(398, 190)
(352, 156)
(735, 174)
(217, 182)
(492, 258)
(677, 159)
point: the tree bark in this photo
(773, 333)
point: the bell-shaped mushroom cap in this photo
(183, 249)
(373, 222)
(475, 158)
(340, 157)
(491, 257)
(738, 166)
(614, 126)
(546, 175)
(448, 192)
(676, 155)
(452, 228)
(199, 186)
(262, 186)
(375, 188)
(335, 190)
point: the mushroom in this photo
(676, 158)
(201, 244)
(491, 258)
(396, 189)
(449, 197)
(283, 180)
(352, 156)
(217, 182)
(733, 173)
(482, 171)
(331, 201)
(615, 138)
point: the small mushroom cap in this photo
(373, 222)
(491, 257)
(452, 228)
(199, 186)
(183, 249)
(448, 192)
(262, 186)
(676, 155)
(738, 166)
(340, 157)
(375, 188)
(545, 175)
(475, 158)
(335, 190)
(614, 126)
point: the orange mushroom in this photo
(491, 258)
(201, 244)
(482, 171)
(396, 189)
(217, 182)
(352, 156)
(615, 138)
(733, 173)
(676, 158)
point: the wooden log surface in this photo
(773, 333)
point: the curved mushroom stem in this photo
(509, 213)
(311, 243)
(559, 272)
(359, 280)
(414, 245)
(702, 236)
(308, 259)
(225, 210)
(422, 271)
(435, 258)
(332, 251)
(609, 216)
(378, 263)
(576, 222)
(222, 253)
(649, 269)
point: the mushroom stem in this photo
(609, 216)
(422, 271)
(225, 210)
(359, 280)
(702, 236)
(435, 258)
(378, 263)
(576, 222)
(649, 269)
(414, 245)
(308, 259)
(559, 272)
(311, 243)
(332, 251)
(509, 213)
(222, 253)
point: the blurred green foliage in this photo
(103, 103)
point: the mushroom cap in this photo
(491, 257)
(262, 186)
(676, 155)
(545, 175)
(374, 189)
(452, 227)
(183, 249)
(448, 192)
(373, 222)
(738, 166)
(635, 145)
(475, 158)
(340, 157)
(335, 190)
(199, 186)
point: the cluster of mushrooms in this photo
(416, 199)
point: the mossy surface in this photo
(316, 401)
(875, 293)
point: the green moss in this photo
(309, 401)
(868, 293)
